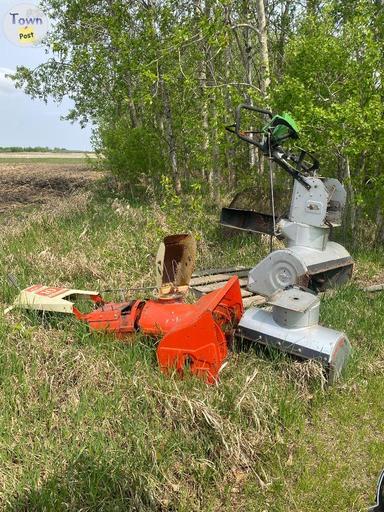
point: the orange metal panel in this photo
(195, 336)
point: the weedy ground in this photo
(89, 423)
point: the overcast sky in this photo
(26, 122)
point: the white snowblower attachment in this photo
(310, 262)
(310, 259)
(293, 327)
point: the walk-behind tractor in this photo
(192, 336)
(310, 262)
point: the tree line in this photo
(31, 149)
(160, 79)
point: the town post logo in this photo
(25, 25)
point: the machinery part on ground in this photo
(247, 220)
(175, 262)
(379, 505)
(317, 204)
(310, 258)
(193, 336)
(293, 327)
(374, 288)
(301, 266)
(50, 298)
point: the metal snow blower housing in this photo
(317, 204)
(193, 336)
(293, 327)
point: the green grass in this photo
(89, 423)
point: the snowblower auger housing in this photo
(292, 326)
(191, 335)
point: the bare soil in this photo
(39, 184)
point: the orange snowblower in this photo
(193, 336)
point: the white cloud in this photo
(6, 84)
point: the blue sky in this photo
(26, 122)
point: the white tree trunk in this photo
(264, 61)
(171, 141)
(264, 54)
(249, 80)
(350, 193)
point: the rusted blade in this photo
(247, 220)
